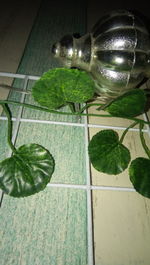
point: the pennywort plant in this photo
(31, 166)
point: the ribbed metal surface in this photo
(116, 53)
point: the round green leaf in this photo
(27, 172)
(107, 154)
(131, 104)
(60, 85)
(139, 172)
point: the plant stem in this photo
(105, 105)
(74, 107)
(9, 133)
(71, 106)
(69, 113)
(147, 150)
(90, 105)
(126, 130)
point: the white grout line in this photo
(109, 188)
(5, 118)
(54, 122)
(113, 127)
(70, 186)
(21, 76)
(74, 124)
(82, 187)
(89, 199)
(91, 187)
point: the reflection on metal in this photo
(116, 53)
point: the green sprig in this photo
(126, 130)
(69, 113)
(9, 133)
(147, 150)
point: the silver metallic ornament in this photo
(116, 53)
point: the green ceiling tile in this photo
(47, 228)
(3, 143)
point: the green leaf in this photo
(28, 171)
(59, 86)
(131, 104)
(107, 154)
(139, 172)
